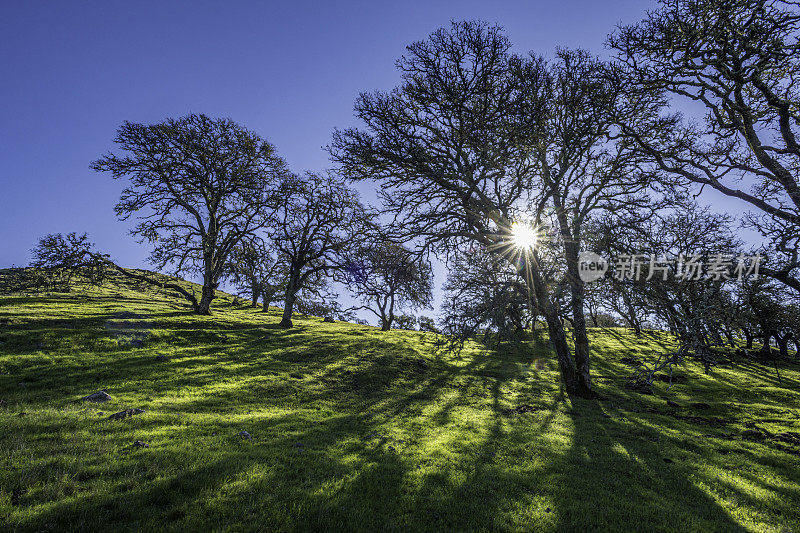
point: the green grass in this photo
(355, 429)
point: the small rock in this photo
(245, 435)
(22, 384)
(97, 397)
(140, 444)
(126, 413)
(328, 319)
(668, 460)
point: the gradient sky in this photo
(73, 72)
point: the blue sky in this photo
(72, 72)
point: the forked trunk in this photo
(558, 338)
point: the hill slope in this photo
(351, 428)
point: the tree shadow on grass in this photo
(370, 438)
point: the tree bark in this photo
(207, 295)
(558, 338)
(748, 335)
(783, 344)
(576, 288)
(766, 350)
(288, 309)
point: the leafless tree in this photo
(453, 159)
(317, 225)
(254, 271)
(740, 60)
(583, 168)
(387, 277)
(198, 187)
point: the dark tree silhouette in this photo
(388, 277)
(198, 187)
(254, 271)
(740, 60)
(316, 226)
(64, 257)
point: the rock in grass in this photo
(100, 396)
(328, 319)
(126, 413)
(245, 435)
(140, 444)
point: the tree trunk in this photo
(390, 317)
(288, 308)
(267, 297)
(208, 293)
(578, 319)
(291, 297)
(766, 350)
(256, 293)
(729, 335)
(558, 338)
(783, 344)
(748, 335)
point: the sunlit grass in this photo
(355, 429)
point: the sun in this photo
(524, 235)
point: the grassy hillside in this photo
(349, 428)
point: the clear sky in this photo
(72, 72)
